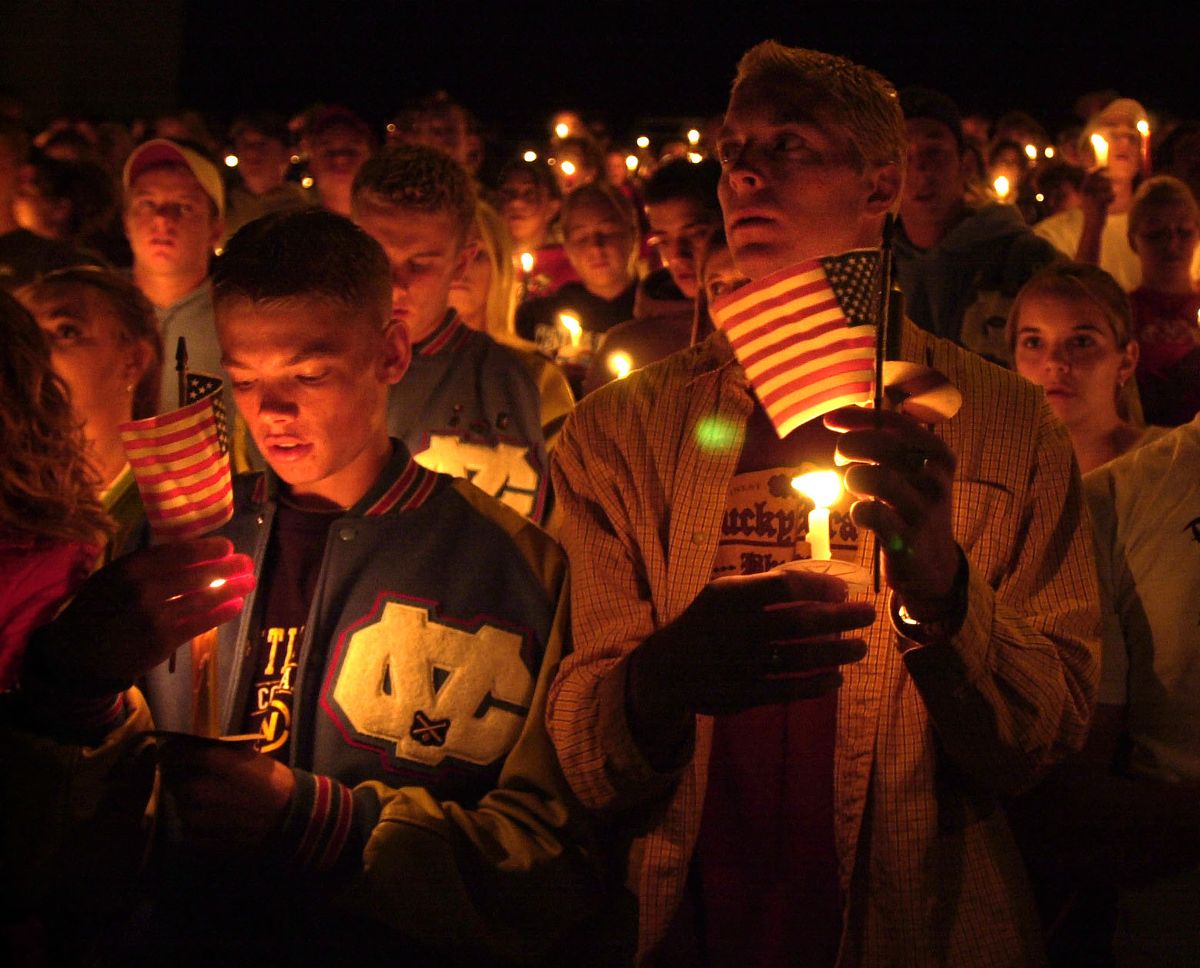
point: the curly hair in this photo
(419, 178)
(47, 485)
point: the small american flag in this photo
(805, 335)
(180, 461)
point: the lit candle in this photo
(1100, 150)
(1143, 127)
(822, 488)
(1049, 152)
(631, 162)
(231, 161)
(693, 137)
(530, 155)
(620, 364)
(1002, 187)
(643, 141)
(527, 262)
(695, 157)
(573, 327)
(1031, 152)
(568, 168)
(562, 129)
(216, 583)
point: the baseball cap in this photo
(162, 151)
(931, 105)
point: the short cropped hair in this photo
(309, 253)
(1155, 194)
(133, 310)
(420, 178)
(924, 103)
(859, 100)
(538, 172)
(680, 179)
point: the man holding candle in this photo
(813, 823)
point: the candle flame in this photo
(527, 262)
(695, 157)
(562, 129)
(1100, 150)
(216, 583)
(1002, 186)
(530, 155)
(1143, 127)
(573, 327)
(693, 137)
(568, 168)
(1031, 152)
(1049, 152)
(643, 142)
(823, 488)
(306, 181)
(231, 160)
(631, 162)
(620, 363)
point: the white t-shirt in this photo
(1117, 258)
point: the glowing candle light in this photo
(1031, 152)
(631, 162)
(568, 168)
(527, 262)
(1049, 152)
(562, 129)
(231, 161)
(216, 583)
(643, 142)
(573, 327)
(1100, 150)
(823, 488)
(620, 364)
(693, 137)
(530, 155)
(695, 157)
(1143, 127)
(306, 181)
(1039, 197)
(1002, 187)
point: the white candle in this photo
(818, 534)
(1100, 150)
(822, 488)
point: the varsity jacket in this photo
(470, 407)
(429, 805)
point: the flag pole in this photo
(883, 343)
(181, 365)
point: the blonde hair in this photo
(496, 245)
(859, 100)
(48, 488)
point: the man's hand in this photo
(904, 474)
(225, 800)
(130, 615)
(747, 641)
(1096, 194)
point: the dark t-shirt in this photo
(765, 858)
(537, 319)
(288, 581)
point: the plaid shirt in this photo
(929, 738)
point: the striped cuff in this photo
(318, 824)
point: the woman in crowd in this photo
(1069, 331)
(105, 347)
(52, 524)
(1164, 225)
(530, 200)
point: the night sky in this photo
(514, 63)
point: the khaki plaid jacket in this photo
(929, 738)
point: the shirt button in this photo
(699, 537)
(346, 533)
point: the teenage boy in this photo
(399, 632)
(468, 406)
(174, 216)
(261, 143)
(772, 812)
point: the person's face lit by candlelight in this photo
(171, 223)
(262, 160)
(426, 254)
(679, 229)
(335, 156)
(1065, 342)
(935, 177)
(1165, 240)
(599, 244)
(528, 208)
(791, 188)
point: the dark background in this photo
(619, 62)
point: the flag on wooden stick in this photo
(805, 335)
(180, 461)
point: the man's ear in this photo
(464, 257)
(396, 352)
(886, 182)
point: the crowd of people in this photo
(530, 647)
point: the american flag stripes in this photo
(805, 335)
(180, 461)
